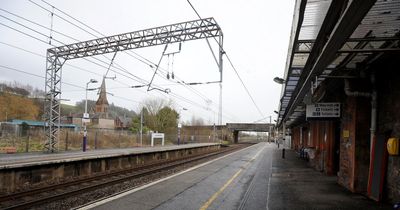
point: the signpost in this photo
(323, 110)
(157, 136)
(85, 120)
(179, 132)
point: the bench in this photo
(8, 150)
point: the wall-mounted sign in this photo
(323, 110)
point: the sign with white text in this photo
(323, 110)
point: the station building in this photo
(340, 100)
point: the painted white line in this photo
(101, 202)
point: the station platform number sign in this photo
(323, 110)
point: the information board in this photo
(323, 110)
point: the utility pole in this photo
(220, 67)
(269, 133)
(141, 127)
(86, 118)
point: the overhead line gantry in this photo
(56, 57)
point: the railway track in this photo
(39, 196)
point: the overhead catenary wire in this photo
(66, 83)
(233, 67)
(44, 35)
(205, 98)
(37, 54)
(40, 33)
(36, 75)
(82, 89)
(40, 25)
(138, 79)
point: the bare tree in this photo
(197, 121)
(159, 114)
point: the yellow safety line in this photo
(207, 204)
(213, 197)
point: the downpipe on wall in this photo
(373, 95)
(374, 98)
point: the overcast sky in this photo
(256, 37)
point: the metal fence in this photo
(31, 139)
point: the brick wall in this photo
(354, 142)
(296, 138)
(347, 144)
(388, 86)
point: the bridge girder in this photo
(257, 127)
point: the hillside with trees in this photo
(14, 106)
(18, 101)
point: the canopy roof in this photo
(332, 38)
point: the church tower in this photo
(102, 103)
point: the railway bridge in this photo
(257, 127)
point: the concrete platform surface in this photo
(254, 178)
(39, 158)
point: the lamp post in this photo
(86, 118)
(279, 80)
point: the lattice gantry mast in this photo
(56, 57)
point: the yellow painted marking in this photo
(207, 204)
(215, 196)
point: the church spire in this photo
(102, 102)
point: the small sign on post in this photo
(323, 110)
(85, 118)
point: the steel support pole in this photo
(52, 101)
(220, 66)
(141, 127)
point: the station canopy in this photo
(329, 39)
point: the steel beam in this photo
(365, 39)
(298, 17)
(363, 50)
(190, 30)
(52, 101)
(185, 31)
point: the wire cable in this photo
(233, 67)
(34, 37)
(205, 98)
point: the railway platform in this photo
(33, 169)
(256, 177)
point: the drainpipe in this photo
(373, 112)
(373, 96)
